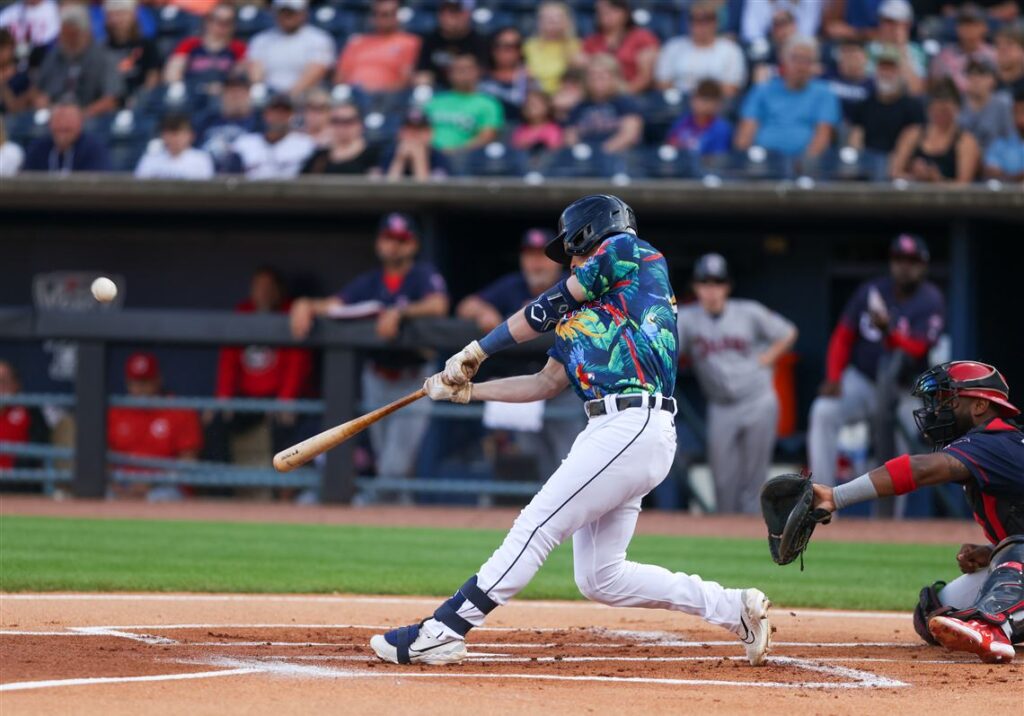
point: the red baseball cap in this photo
(397, 225)
(142, 366)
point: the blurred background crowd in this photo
(907, 90)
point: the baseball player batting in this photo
(966, 406)
(615, 344)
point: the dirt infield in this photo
(951, 532)
(120, 654)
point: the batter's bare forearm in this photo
(544, 385)
(436, 304)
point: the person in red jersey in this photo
(151, 432)
(966, 415)
(18, 424)
(256, 371)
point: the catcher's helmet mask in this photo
(940, 389)
(586, 222)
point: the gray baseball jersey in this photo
(724, 349)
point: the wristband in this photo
(902, 475)
(860, 489)
(497, 340)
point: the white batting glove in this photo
(438, 389)
(461, 367)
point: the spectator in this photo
(381, 60)
(895, 23)
(258, 372)
(607, 116)
(538, 129)
(413, 155)
(137, 58)
(851, 82)
(634, 47)
(145, 17)
(876, 123)
(555, 48)
(316, 115)
(571, 92)
(703, 130)
(210, 58)
(67, 149)
(11, 155)
(453, 37)
(985, 114)
(347, 151)
(996, 11)
(1010, 59)
(218, 131)
(403, 288)
(508, 81)
(794, 114)
(766, 58)
(499, 300)
(879, 346)
(941, 150)
(1005, 156)
(971, 29)
(15, 85)
(278, 152)
(292, 57)
(167, 433)
(759, 16)
(463, 117)
(733, 345)
(78, 66)
(844, 20)
(685, 61)
(18, 424)
(175, 158)
(34, 25)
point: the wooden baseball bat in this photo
(301, 453)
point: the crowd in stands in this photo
(917, 90)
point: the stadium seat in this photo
(577, 162)
(126, 135)
(488, 21)
(250, 20)
(846, 164)
(381, 128)
(174, 25)
(418, 21)
(26, 127)
(660, 110)
(175, 97)
(753, 164)
(664, 162)
(663, 24)
(387, 102)
(495, 160)
(336, 22)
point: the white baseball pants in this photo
(595, 497)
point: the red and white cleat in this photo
(977, 637)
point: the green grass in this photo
(50, 554)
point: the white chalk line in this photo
(859, 679)
(414, 601)
(52, 683)
(490, 658)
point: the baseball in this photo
(104, 290)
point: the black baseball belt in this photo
(599, 407)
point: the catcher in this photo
(965, 411)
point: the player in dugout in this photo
(966, 415)
(18, 423)
(496, 302)
(169, 433)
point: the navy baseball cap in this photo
(908, 246)
(536, 239)
(397, 225)
(711, 267)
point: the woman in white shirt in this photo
(685, 61)
(175, 157)
(11, 155)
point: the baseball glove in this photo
(787, 503)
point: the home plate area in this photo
(234, 661)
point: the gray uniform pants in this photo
(396, 439)
(858, 401)
(741, 438)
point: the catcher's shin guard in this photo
(928, 605)
(1001, 599)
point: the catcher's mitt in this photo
(787, 503)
